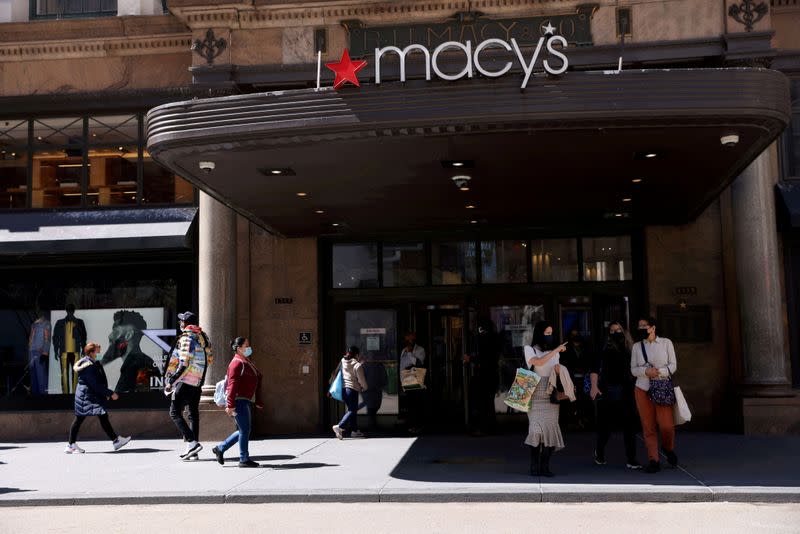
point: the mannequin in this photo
(69, 337)
(38, 349)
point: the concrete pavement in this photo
(714, 467)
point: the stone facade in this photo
(149, 52)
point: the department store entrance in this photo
(472, 334)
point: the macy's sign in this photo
(346, 68)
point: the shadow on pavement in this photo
(141, 450)
(705, 459)
(12, 490)
(308, 465)
(273, 458)
(9, 447)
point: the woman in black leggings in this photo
(91, 396)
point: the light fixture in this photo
(38, 137)
(335, 224)
(120, 148)
(470, 206)
(277, 171)
(462, 181)
(637, 180)
(626, 199)
(473, 222)
(319, 212)
(729, 141)
(650, 155)
(458, 164)
(302, 194)
(617, 215)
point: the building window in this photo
(72, 8)
(554, 260)
(83, 162)
(504, 261)
(607, 259)
(404, 264)
(453, 263)
(355, 265)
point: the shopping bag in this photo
(520, 396)
(337, 387)
(680, 410)
(413, 378)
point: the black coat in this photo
(92, 392)
(78, 334)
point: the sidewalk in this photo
(714, 467)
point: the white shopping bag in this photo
(680, 411)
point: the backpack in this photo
(221, 391)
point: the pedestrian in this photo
(612, 392)
(544, 434)
(184, 378)
(91, 396)
(412, 356)
(243, 391)
(354, 382)
(482, 368)
(653, 363)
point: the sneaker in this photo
(672, 458)
(633, 464)
(192, 448)
(652, 467)
(338, 431)
(220, 455)
(249, 463)
(121, 442)
(356, 434)
(599, 459)
(72, 448)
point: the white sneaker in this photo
(356, 434)
(72, 448)
(192, 448)
(120, 442)
(337, 431)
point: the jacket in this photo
(92, 392)
(244, 381)
(190, 359)
(353, 374)
(78, 334)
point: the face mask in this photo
(642, 334)
(248, 351)
(619, 337)
(549, 340)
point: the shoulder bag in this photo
(662, 390)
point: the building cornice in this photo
(93, 48)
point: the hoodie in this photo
(191, 358)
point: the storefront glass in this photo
(453, 262)
(404, 264)
(607, 259)
(554, 260)
(355, 265)
(13, 178)
(374, 332)
(504, 261)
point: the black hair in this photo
(649, 320)
(70, 308)
(238, 342)
(131, 318)
(538, 335)
(352, 352)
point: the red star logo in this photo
(346, 69)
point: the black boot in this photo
(535, 461)
(544, 469)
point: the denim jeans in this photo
(350, 418)
(38, 369)
(242, 434)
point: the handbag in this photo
(413, 378)
(680, 411)
(662, 390)
(520, 395)
(337, 387)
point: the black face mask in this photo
(549, 342)
(618, 338)
(642, 334)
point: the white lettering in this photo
(466, 71)
(402, 55)
(557, 53)
(485, 44)
(527, 67)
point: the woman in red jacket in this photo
(243, 390)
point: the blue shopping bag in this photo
(337, 387)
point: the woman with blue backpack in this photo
(242, 387)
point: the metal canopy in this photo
(567, 150)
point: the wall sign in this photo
(283, 300)
(304, 338)
(471, 26)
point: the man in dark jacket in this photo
(69, 337)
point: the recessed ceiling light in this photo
(335, 224)
(637, 180)
(464, 188)
(627, 199)
(458, 164)
(473, 222)
(319, 212)
(120, 148)
(302, 194)
(650, 155)
(277, 171)
(617, 215)
(470, 207)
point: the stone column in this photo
(765, 369)
(217, 284)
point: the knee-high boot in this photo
(535, 460)
(544, 469)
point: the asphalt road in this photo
(378, 518)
